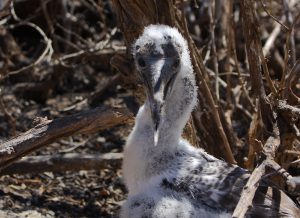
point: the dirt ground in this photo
(65, 194)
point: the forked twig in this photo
(274, 18)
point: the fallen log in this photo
(49, 131)
(63, 162)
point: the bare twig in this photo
(266, 70)
(213, 45)
(289, 19)
(296, 153)
(251, 186)
(232, 48)
(274, 18)
(262, 58)
(270, 41)
(229, 41)
(251, 34)
(47, 17)
(286, 52)
(45, 55)
(255, 146)
(248, 192)
(283, 106)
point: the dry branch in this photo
(64, 162)
(271, 39)
(200, 75)
(248, 192)
(102, 55)
(49, 131)
(250, 188)
(289, 43)
(254, 51)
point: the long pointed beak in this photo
(156, 112)
(157, 102)
(157, 94)
(156, 109)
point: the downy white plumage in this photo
(164, 174)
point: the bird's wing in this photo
(219, 185)
(215, 184)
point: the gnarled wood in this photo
(49, 131)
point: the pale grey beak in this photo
(156, 106)
(157, 97)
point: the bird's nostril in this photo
(141, 62)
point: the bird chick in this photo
(165, 175)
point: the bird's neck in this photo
(177, 112)
(141, 158)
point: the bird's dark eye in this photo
(141, 62)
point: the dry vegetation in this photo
(68, 90)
